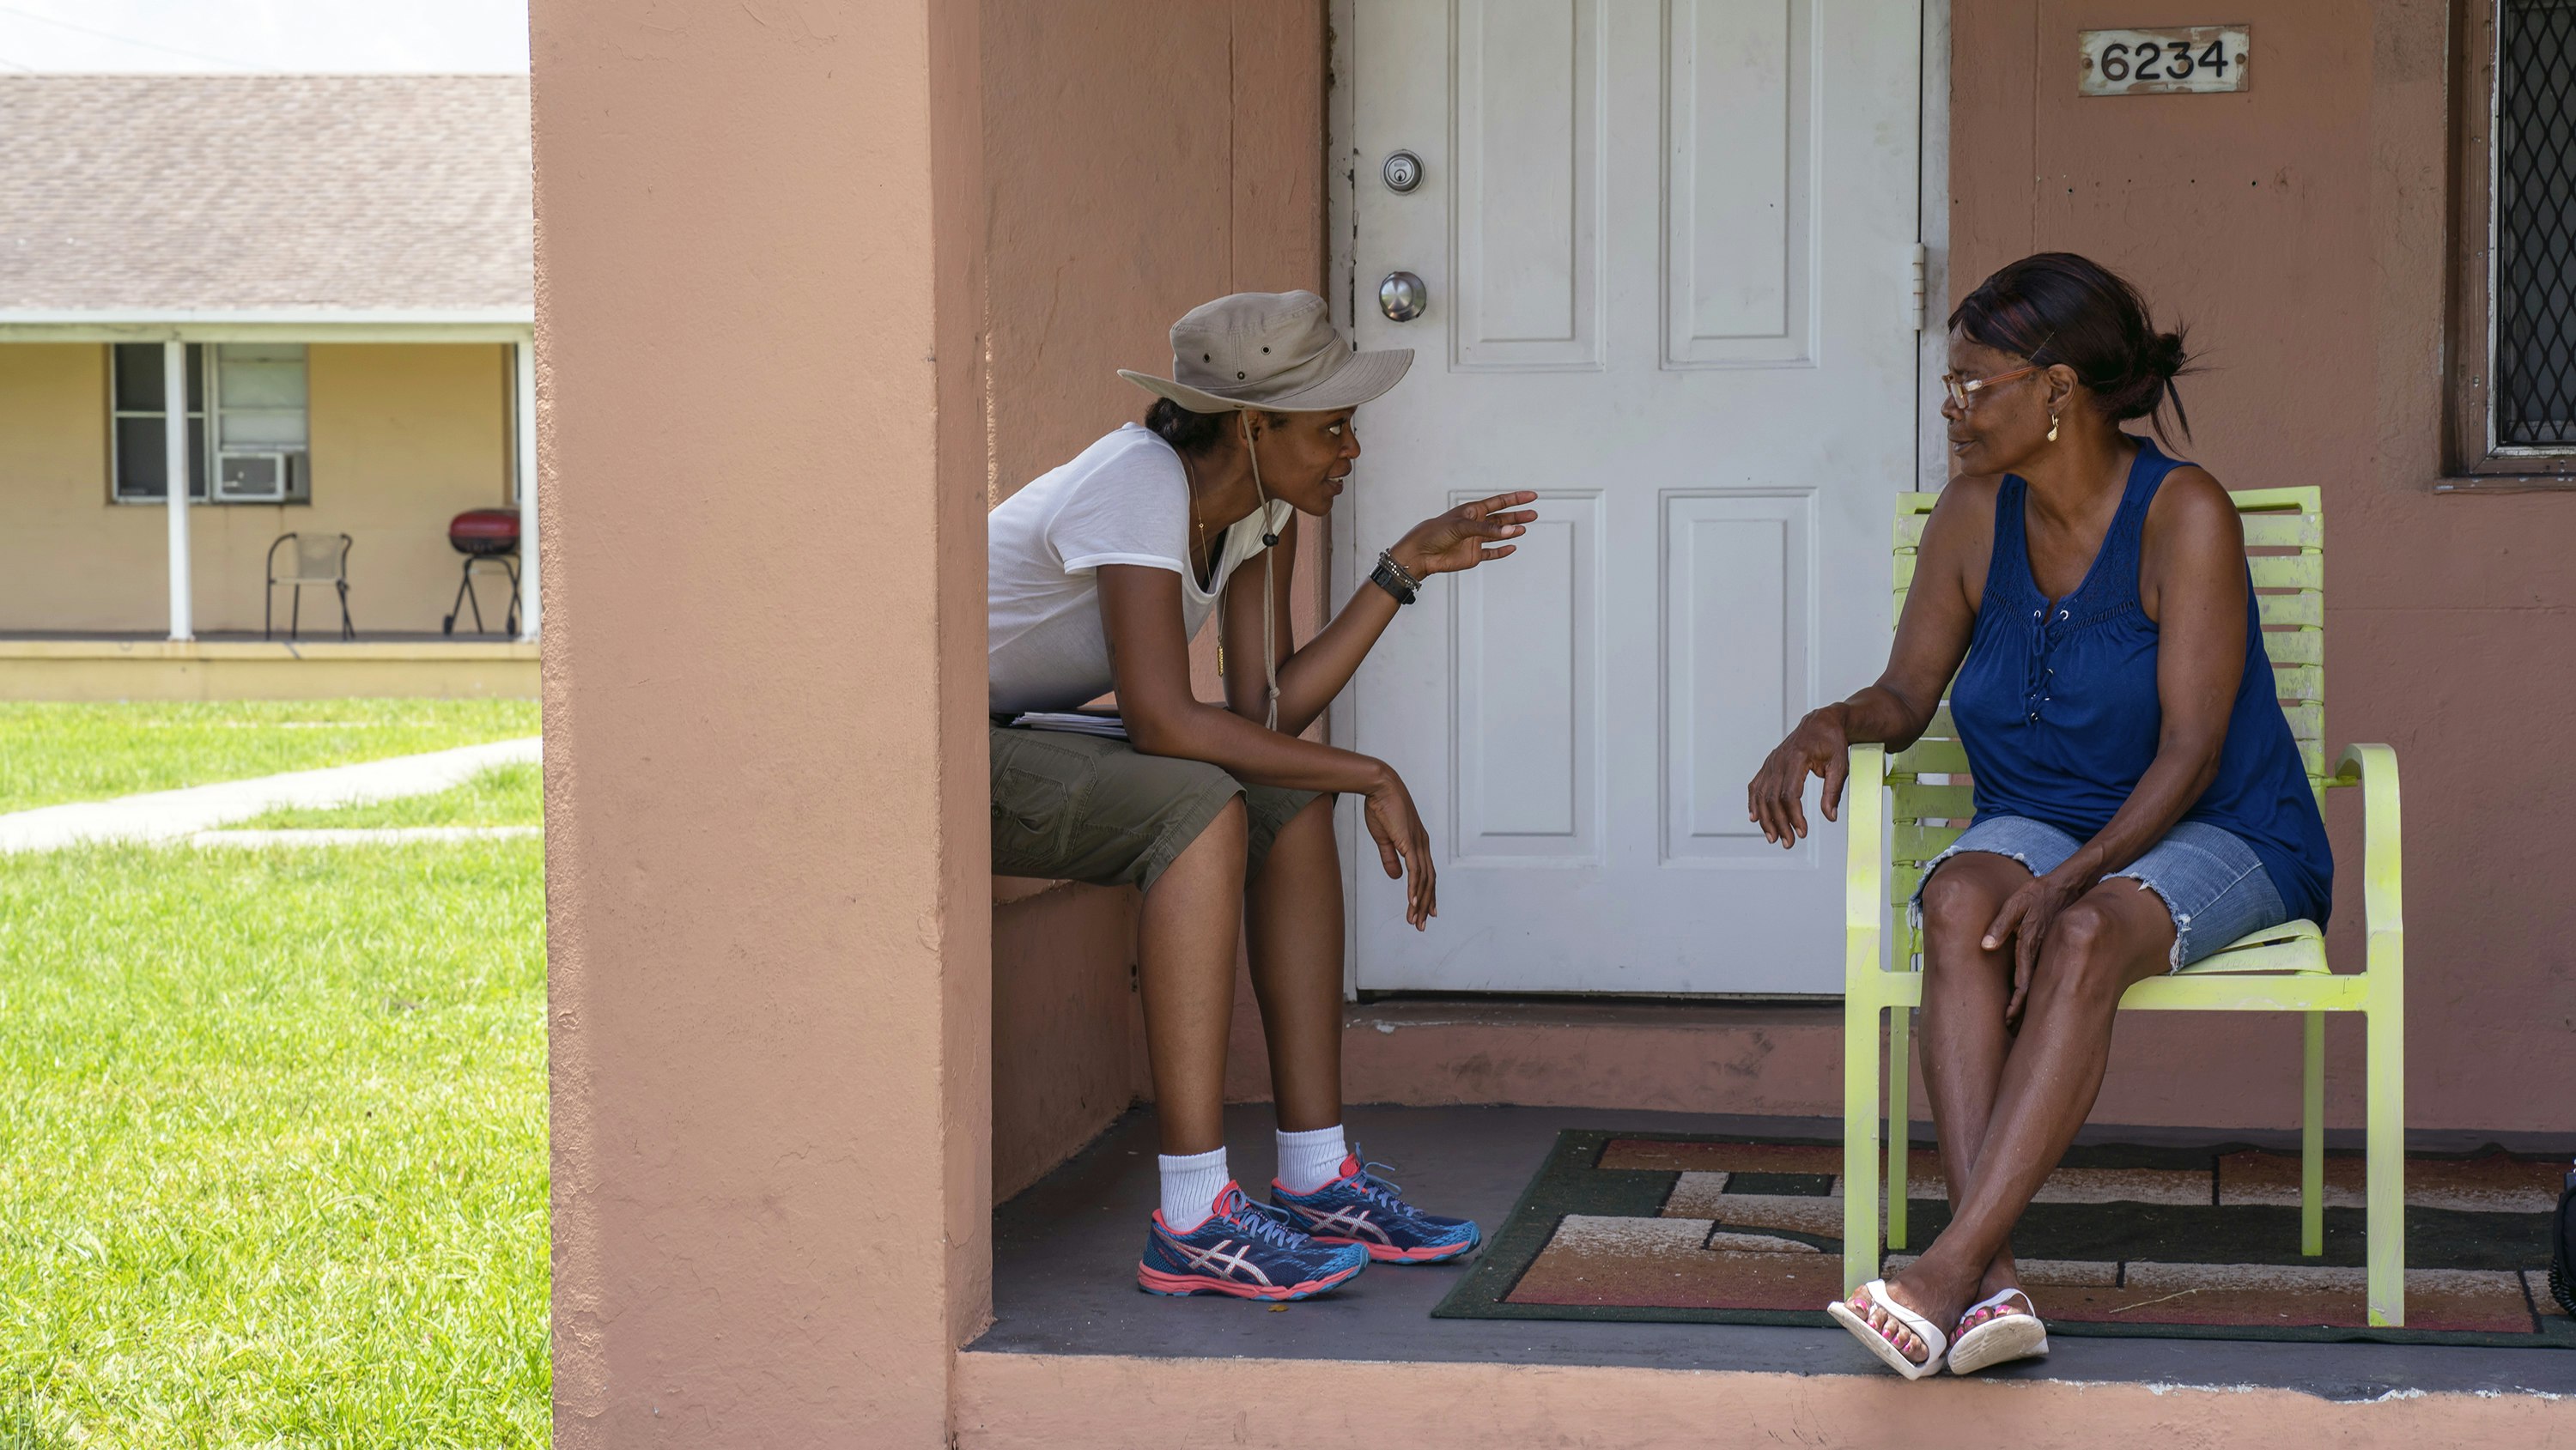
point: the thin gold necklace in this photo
(1200, 526)
(1196, 523)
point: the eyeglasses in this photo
(1959, 388)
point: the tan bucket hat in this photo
(1270, 350)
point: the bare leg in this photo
(1185, 969)
(1965, 989)
(2115, 935)
(1293, 917)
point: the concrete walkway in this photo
(386, 836)
(166, 815)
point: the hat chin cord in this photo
(1269, 582)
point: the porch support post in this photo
(174, 399)
(768, 864)
(523, 442)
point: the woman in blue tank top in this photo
(2140, 800)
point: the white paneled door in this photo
(1668, 254)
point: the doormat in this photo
(2191, 1243)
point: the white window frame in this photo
(295, 483)
(118, 413)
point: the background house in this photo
(346, 261)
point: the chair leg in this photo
(1900, 1136)
(2385, 1149)
(295, 616)
(2312, 1142)
(348, 629)
(1860, 1140)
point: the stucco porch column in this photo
(761, 470)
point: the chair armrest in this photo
(1864, 813)
(2374, 769)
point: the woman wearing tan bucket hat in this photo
(1101, 572)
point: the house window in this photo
(2535, 225)
(2513, 412)
(255, 449)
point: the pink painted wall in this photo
(1144, 156)
(794, 1039)
(2299, 228)
(759, 304)
(1068, 1038)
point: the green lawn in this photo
(273, 1139)
(507, 795)
(51, 753)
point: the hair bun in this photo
(2057, 307)
(2163, 355)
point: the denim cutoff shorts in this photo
(2213, 883)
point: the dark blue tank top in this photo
(2057, 707)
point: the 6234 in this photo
(2195, 58)
(2161, 60)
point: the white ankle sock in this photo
(1308, 1161)
(1190, 1187)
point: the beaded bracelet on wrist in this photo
(1394, 578)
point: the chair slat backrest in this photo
(2285, 548)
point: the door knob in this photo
(1402, 297)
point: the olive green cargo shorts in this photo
(1082, 808)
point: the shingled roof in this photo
(170, 195)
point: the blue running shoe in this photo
(1245, 1250)
(1363, 1209)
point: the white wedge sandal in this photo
(1879, 1344)
(2002, 1334)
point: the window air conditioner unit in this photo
(252, 477)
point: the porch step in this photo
(1688, 1057)
(1007, 1400)
(2182, 1069)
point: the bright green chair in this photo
(2280, 970)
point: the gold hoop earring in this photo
(2052, 427)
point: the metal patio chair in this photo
(2283, 969)
(318, 559)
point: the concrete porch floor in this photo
(1064, 1253)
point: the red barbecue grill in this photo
(485, 536)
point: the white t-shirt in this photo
(1123, 500)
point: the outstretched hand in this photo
(1467, 535)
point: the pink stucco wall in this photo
(1144, 156)
(2300, 229)
(759, 307)
(773, 412)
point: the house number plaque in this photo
(2191, 58)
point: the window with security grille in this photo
(2533, 397)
